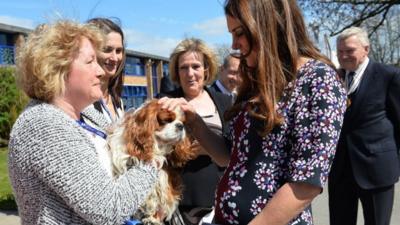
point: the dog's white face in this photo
(153, 134)
(171, 129)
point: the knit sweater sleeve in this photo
(56, 150)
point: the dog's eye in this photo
(164, 121)
(165, 117)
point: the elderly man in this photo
(228, 78)
(366, 165)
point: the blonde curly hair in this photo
(44, 60)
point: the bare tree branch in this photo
(381, 19)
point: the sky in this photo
(150, 26)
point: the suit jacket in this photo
(371, 130)
(201, 176)
(215, 87)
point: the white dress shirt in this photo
(357, 77)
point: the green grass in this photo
(6, 197)
(4, 181)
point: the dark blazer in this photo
(201, 175)
(215, 87)
(371, 129)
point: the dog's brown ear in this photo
(138, 134)
(175, 181)
(182, 154)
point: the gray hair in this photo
(227, 59)
(361, 34)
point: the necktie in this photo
(233, 96)
(350, 78)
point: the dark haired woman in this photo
(285, 123)
(112, 60)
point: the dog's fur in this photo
(152, 135)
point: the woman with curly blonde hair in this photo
(53, 162)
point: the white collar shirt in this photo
(357, 77)
(222, 88)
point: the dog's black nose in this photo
(179, 126)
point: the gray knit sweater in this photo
(57, 178)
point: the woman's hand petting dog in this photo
(156, 136)
(171, 104)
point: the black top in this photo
(201, 176)
(166, 84)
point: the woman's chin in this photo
(194, 92)
(110, 71)
(97, 96)
(110, 74)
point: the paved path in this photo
(320, 211)
(9, 218)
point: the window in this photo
(7, 51)
(134, 66)
(134, 96)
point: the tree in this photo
(337, 15)
(327, 18)
(12, 101)
(385, 42)
(222, 50)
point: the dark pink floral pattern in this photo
(299, 150)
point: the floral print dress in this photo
(299, 150)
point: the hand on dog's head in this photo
(151, 126)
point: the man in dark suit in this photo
(366, 165)
(228, 78)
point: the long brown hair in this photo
(116, 82)
(277, 30)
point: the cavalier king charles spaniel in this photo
(152, 134)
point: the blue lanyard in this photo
(108, 111)
(133, 222)
(106, 108)
(91, 129)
